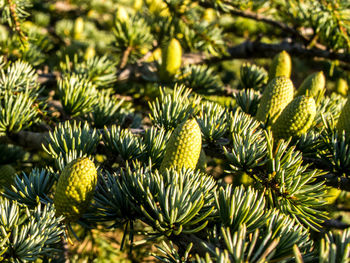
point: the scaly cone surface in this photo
(171, 60)
(281, 65)
(75, 188)
(184, 147)
(277, 94)
(295, 119)
(313, 85)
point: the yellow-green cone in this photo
(202, 162)
(184, 147)
(295, 119)
(75, 188)
(78, 28)
(342, 87)
(314, 84)
(344, 119)
(90, 52)
(121, 14)
(171, 60)
(281, 66)
(277, 94)
(7, 175)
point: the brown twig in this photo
(29, 140)
(249, 49)
(125, 58)
(142, 71)
(245, 50)
(261, 18)
(337, 224)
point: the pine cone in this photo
(171, 60)
(184, 147)
(281, 66)
(277, 94)
(295, 119)
(75, 188)
(313, 85)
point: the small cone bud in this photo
(281, 66)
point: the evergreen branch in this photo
(261, 18)
(17, 112)
(248, 100)
(212, 121)
(155, 141)
(107, 110)
(199, 247)
(70, 141)
(335, 247)
(39, 224)
(147, 71)
(27, 139)
(172, 109)
(237, 206)
(29, 189)
(17, 24)
(253, 76)
(257, 49)
(247, 49)
(123, 142)
(78, 96)
(111, 203)
(171, 254)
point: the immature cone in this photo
(78, 28)
(313, 85)
(158, 7)
(75, 188)
(277, 94)
(122, 14)
(344, 119)
(171, 60)
(209, 15)
(90, 52)
(295, 119)
(281, 65)
(184, 147)
(7, 175)
(342, 87)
